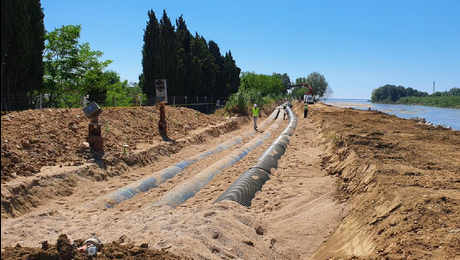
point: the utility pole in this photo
(434, 86)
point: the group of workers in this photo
(255, 113)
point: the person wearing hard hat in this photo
(255, 115)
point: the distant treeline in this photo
(434, 101)
(391, 94)
(191, 65)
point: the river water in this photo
(443, 116)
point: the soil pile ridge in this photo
(33, 139)
(402, 182)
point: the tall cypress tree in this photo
(219, 61)
(210, 70)
(184, 39)
(152, 66)
(191, 65)
(38, 32)
(22, 48)
(232, 74)
(169, 56)
(195, 72)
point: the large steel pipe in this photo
(159, 177)
(191, 186)
(250, 182)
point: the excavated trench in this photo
(23, 194)
(159, 177)
(400, 185)
(157, 211)
(193, 173)
(248, 183)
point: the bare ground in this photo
(351, 185)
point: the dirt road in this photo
(352, 184)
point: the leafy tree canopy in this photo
(71, 69)
(318, 84)
(122, 93)
(264, 84)
(392, 93)
(192, 65)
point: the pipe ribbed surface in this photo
(190, 187)
(250, 182)
(157, 178)
(243, 189)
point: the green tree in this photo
(232, 74)
(204, 64)
(265, 84)
(22, 48)
(184, 39)
(122, 93)
(286, 80)
(191, 65)
(117, 93)
(71, 69)
(169, 54)
(392, 93)
(135, 91)
(255, 88)
(299, 81)
(319, 85)
(451, 92)
(299, 91)
(152, 65)
(219, 61)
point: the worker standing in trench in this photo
(255, 115)
(305, 110)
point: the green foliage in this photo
(301, 80)
(151, 56)
(285, 79)
(264, 84)
(435, 101)
(299, 91)
(400, 95)
(22, 45)
(451, 92)
(120, 93)
(71, 69)
(257, 89)
(392, 93)
(318, 84)
(168, 54)
(238, 102)
(191, 66)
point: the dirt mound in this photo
(33, 139)
(402, 180)
(64, 250)
(43, 151)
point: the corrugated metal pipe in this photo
(244, 188)
(159, 177)
(190, 187)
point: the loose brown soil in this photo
(352, 185)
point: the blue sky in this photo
(357, 45)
